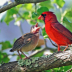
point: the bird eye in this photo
(43, 15)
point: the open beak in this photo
(40, 17)
(35, 28)
(36, 25)
(38, 28)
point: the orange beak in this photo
(40, 17)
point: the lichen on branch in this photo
(39, 63)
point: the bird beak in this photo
(40, 17)
(36, 25)
(38, 28)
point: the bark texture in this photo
(17, 2)
(36, 64)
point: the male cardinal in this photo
(56, 31)
(27, 42)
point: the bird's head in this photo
(47, 16)
(35, 29)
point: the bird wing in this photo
(22, 41)
(60, 28)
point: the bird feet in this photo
(59, 51)
(26, 58)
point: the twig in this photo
(17, 2)
(18, 23)
(35, 7)
(20, 15)
(22, 32)
(8, 7)
(36, 52)
(52, 43)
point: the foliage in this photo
(5, 45)
(60, 3)
(3, 57)
(30, 12)
(60, 69)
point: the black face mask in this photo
(44, 15)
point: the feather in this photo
(60, 28)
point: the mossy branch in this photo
(17, 2)
(36, 64)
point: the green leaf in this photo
(39, 54)
(60, 69)
(19, 18)
(34, 15)
(3, 57)
(69, 13)
(14, 40)
(37, 48)
(19, 6)
(19, 57)
(5, 45)
(3, 17)
(67, 68)
(44, 33)
(9, 15)
(12, 11)
(42, 9)
(28, 6)
(26, 15)
(48, 70)
(67, 24)
(65, 20)
(8, 19)
(47, 4)
(60, 3)
(41, 21)
(45, 36)
(32, 22)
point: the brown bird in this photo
(27, 42)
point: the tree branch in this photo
(17, 2)
(8, 7)
(39, 63)
(69, 70)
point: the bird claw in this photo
(26, 58)
(59, 51)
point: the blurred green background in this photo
(30, 12)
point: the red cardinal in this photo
(56, 31)
(27, 42)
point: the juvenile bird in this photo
(27, 42)
(56, 31)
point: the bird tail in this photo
(11, 50)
